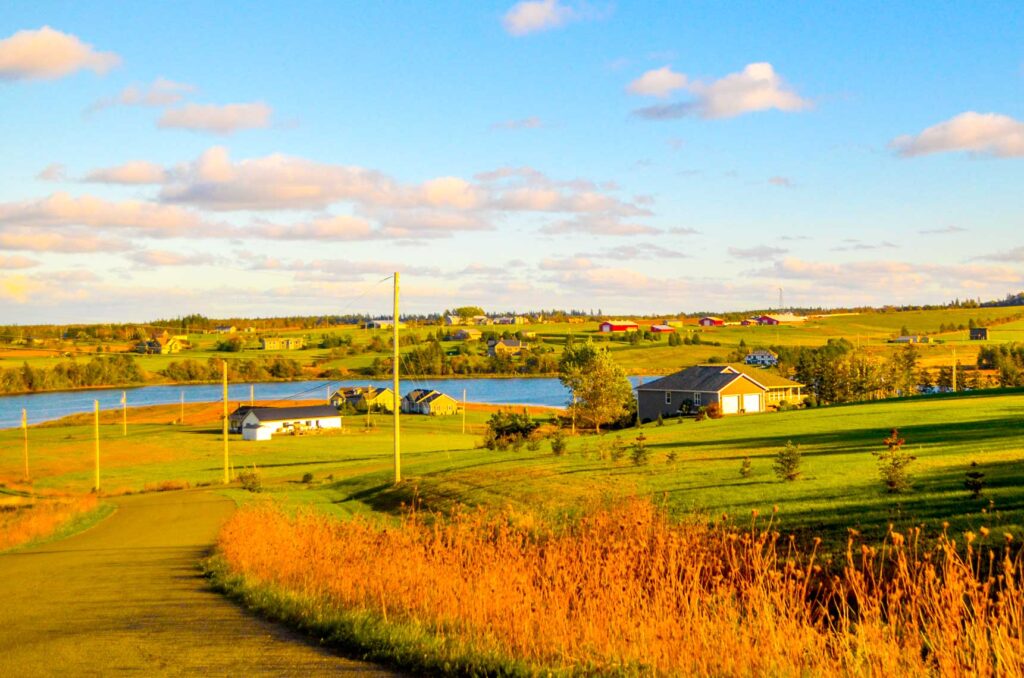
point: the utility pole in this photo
(463, 411)
(252, 394)
(181, 419)
(369, 390)
(227, 477)
(954, 369)
(24, 428)
(394, 379)
(96, 443)
(124, 413)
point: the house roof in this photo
(360, 391)
(287, 413)
(704, 378)
(618, 322)
(434, 395)
(418, 394)
(242, 410)
(764, 377)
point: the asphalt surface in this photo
(126, 597)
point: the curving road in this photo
(126, 598)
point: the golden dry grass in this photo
(625, 590)
(41, 518)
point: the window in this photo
(696, 399)
(668, 397)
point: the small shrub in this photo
(714, 411)
(893, 464)
(307, 478)
(618, 449)
(557, 441)
(671, 458)
(975, 481)
(787, 462)
(746, 468)
(533, 444)
(251, 480)
(661, 421)
(639, 452)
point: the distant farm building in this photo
(466, 334)
(364, 399)
(695, 387)
(762, 357)
(505, 347)
(609, 326)
(225, 329)
(162, 344)
(662, 329)
(261, 423)
(282, 343)
(911, 339)
(236, 417)
(429, 402)
(710, 321)
(510, 320)
(381, 324)
(979, 334)
(453, 320)
(780, 319)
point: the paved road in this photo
(126, 598)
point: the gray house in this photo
(695, 387)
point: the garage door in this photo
(751, 402)
(730, 404)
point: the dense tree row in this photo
(100, 371)
(264, 368)
(1007, 360)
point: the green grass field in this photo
(839, 487)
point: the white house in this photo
(260, 423)
(762, 357)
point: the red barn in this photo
(619, 326)
(710, 321)
(662, 329)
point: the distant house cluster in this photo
(364, 399)
(455, 320)
(162, 344)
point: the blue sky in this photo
(645, 157)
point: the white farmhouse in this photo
(260, 423)
(762, 357)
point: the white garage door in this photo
(730, 404)
(752, 402)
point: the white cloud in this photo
(328, 229)
(217, 119)
(133, 172)
(659, 82)
(1013, 255)
(46, 54)
(531, 16)
(978, 133)
(37, 240)
(158, 94)
(533, 122)
(756, 88)
(161, 258)
(945, 230)
(61, 209)
(15, 262)
(759, 252)
(568, 264)
(599, 225)
(55, 171)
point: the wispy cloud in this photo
(854, 245)
(16, 262)
(945, 230)
(781, 182)
(55, 171)
(533, 122)
(759, 252)
(534, 16)
(133, 172)
(47, 54)
(217, 118)
(158, 94)
(756, 88)
(1012, 255)
(977, 133)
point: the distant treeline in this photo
(112, 370)
(264, 368)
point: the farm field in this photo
(839, 487)
(871, 331)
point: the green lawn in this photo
(839, 487)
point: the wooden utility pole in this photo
(252, 394)
(394, 380)
(227, 476)
(182, 416)
(369, 389)
(954, 369)
(96, 443)
(24, 428)
(463, 410)
(124, 413)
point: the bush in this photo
(661, 421)
(639, 452)
(671, 458)
(714, 411)
(558, 445)
(787, 462)
(893, 464)
(746, 468)
(251, 480)
(533, 444)
(307, 478)
(975, 481)
(618, 449)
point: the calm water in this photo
(49, 406)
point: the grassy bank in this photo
(36, 520)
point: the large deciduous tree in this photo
(601, 392)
